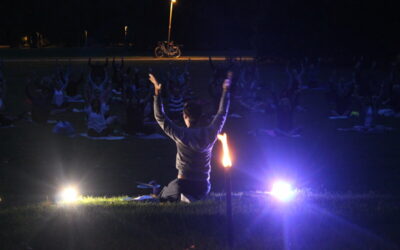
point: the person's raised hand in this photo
(157, 86)
(227, 83)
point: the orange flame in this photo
(226, 158)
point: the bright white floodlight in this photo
(282, 191)
(69, 194)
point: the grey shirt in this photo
(194, 145)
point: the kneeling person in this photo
(194, 145)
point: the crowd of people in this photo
(363, 91)
(97, 95)
(369, 90)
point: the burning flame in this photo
(226, 158)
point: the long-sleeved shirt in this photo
(194, 145)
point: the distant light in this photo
(174, 1)
(68, 195)
(282, 191)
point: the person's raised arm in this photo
(172, 130)
(220, 118)
(105, 96)
(28, 89)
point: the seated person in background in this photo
(194, 145)
(312, 73)
(135, 105)
(284, 117)
(59, 101)
(72, 89)
(175, 104)
(5, 120)
(98, 121)
(40, 95)
(118, 76)
(343, 96)
(295, 77)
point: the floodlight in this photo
(69, 194)
(282, 191)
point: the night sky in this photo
(272, 27)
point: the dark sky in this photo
(212, 24)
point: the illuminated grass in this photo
(90, 200)
(111, 223)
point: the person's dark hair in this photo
(96, 105)
(193, 110)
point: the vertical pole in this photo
(170, 20)
(126, 35)
(86, 38)
(228, 187)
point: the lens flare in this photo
(283, 191)
(69, 194)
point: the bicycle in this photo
(167, 49)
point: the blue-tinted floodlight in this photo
(282, 191)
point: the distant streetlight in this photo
(170, 19)
(126, 35)
(85, 35)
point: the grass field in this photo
(34, 163)
(311, 222)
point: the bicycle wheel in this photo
(176, 52)
(158, 52)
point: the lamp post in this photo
(171, 8)
(126, 35)
(227, 163)
(85, 36)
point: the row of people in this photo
(128, 89)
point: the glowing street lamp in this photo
(227, 163)
(170, 19)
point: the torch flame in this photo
(226, 158)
